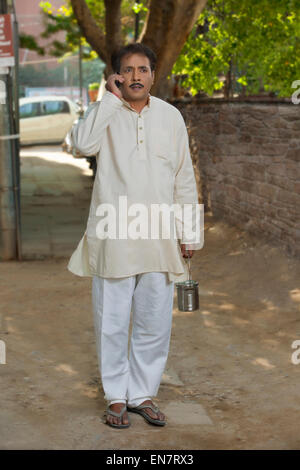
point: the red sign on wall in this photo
(6, 42)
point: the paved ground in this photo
(229, 382)
(55, 194)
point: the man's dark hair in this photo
(134, 48)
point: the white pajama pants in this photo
(150, 298)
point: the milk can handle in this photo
(189, 265)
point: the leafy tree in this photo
(106, 25)
(254, 43)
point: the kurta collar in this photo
(130, 107)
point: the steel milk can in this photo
(187, 293)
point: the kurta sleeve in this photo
(87, 135)
(189, 213)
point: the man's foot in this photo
(152, 414)
(114, 420)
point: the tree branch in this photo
(89, 28)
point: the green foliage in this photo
(63, 19)
(256, 41)
(94, 86)
(29, 42)
(139, 7)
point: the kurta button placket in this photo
(141, 138)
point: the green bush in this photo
(94, 86)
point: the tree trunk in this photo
(166, 29)
(113, 29)
(228, 82)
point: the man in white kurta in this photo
(142, 150)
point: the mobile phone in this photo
(118, 83)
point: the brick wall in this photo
(247, 164)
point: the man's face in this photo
(136, 70)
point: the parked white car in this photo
(46, 119)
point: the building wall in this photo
(247, 165)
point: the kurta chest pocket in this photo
(162, 148)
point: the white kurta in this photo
(144, 156)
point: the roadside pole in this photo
(10, 234)
(80, 72)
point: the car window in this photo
(29, 110)
(55, 107)
(65, 107)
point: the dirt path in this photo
(229, 383)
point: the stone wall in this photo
(247, 161)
